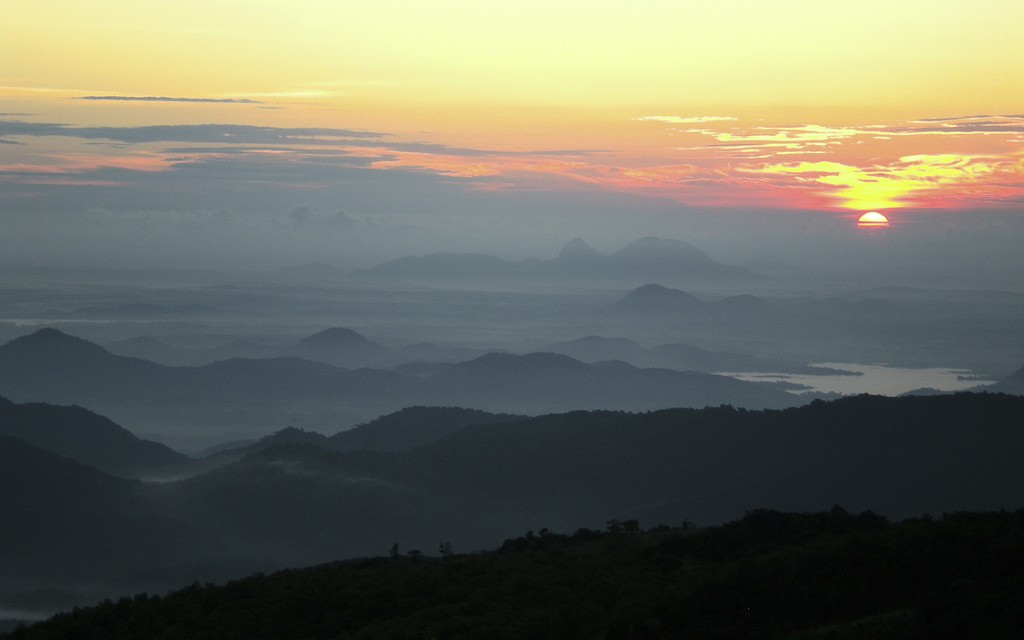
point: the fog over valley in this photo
(316, 412)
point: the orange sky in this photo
(789, 104)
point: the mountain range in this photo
(655, 300)
(647, 259)
(199, 406)
(678, 356)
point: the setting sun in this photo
(872, 220)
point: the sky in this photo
(188, 132)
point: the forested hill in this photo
(73, 528)
(770, 575)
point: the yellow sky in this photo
(908, 53)
(532, 75)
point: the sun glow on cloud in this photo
(726, 162)
(893, 186)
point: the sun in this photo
(872, 220)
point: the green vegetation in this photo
(769, 575)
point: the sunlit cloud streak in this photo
(225, 133)
(168, 99)
(724, 162)
(685, 120)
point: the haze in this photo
(283, 283)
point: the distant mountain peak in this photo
(291, 435)
(533, 357)
(577, 249)
(594, 340)
(655, 297)
(50, 340)
(335, 335)
(663, 250)
(48, 333)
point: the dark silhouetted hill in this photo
(297, 504)
(399, 431)
(413, 427)
(1013, 383)
(75, 529)
(341, 346)
(579, 252)
(654, 299)
(288, 435)
(770, 576)
(52, 366)
(86, 437)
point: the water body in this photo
(877, 379)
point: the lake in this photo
(877, 379)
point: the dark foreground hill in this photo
(770, 575)
(300, 504)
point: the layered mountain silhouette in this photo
(648, 258)
(237, 397)
(79, 534)
(664, 256)
(672, 356)
(339, 346)
(579, 252)
(88, 438)
(548, 382)
(244, 397)
(654, 299)
(659, 302)
(342, 346)
(413, 427)
(1013, 383)
(399, 431)
(304, 503)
